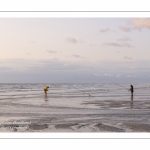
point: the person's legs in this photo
(45, 92)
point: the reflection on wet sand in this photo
(131, 101)
(46, 98)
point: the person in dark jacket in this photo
(131, 89)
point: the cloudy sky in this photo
(64, 50)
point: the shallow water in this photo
(75, 107)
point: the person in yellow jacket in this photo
(45, 90)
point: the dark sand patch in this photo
(38, 127)
(108, 128)
(80, 126)
(138, 127)
(64, 126)
(129, 104)
(11, 125)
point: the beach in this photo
(74, 108)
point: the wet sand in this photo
(92, 116)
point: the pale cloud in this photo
(50, 51)
(131, 62)
(136, 23)
(97, 74)
(39, 65)
(106, 74)
(114, 44)
(19, 64)
(130, 76)
(5, 69)
(141, 23)
(54, 70)
(125, 29)
(91, 45)
(104, 30)
(71, 40)
(32, 42)
(23, 69)
(77, 56)
(125, 57)
(81, 41)
(118, 75)
(124, 39)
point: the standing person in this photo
(131, 89)
(45, 90)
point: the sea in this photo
(74, 107)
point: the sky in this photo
(74, 50)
